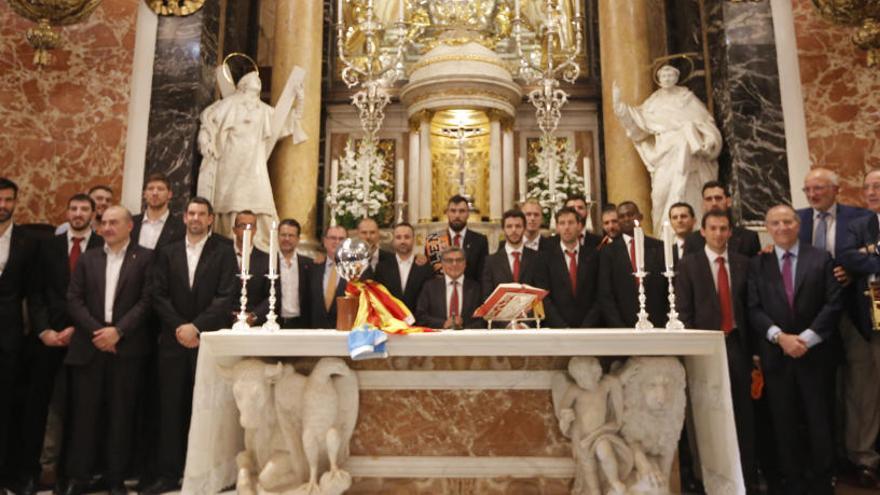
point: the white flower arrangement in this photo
(354, 197)
(567, 180)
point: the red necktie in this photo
(724, 297)
(75, 251)
(456, 241)
(453, 301)
(573, 271)
(516, 255)
(632, 254)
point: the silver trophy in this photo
(352, 259)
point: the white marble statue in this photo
(677, 139)
(297, 428)
(654, 403)
(236, 137)
(589, 412)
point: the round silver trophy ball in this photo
(352, 259)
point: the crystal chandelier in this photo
(48, 13)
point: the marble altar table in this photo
(460, 411)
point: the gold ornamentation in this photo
(48, 13)
(179, 8)
(445, 156)
(459, 58)
(864, 15)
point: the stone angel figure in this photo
(590, 410)
(677, 140)
(237, 135)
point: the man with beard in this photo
(292, 287)
(402, 275)
(103, 197)
(717, 197)
(474, 244)
(195, 292)
(17, 283)
(534, 217)
(108, 299)
(156, 227)
(46, 346)
(368, 231)
(610, 225)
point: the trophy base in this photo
(346, 312)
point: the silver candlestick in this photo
(643, 323)
(271, 324)
(672, 323)
(241, 322)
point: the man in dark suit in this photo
(618, 293)
(512, 262)
(572, 273)
(742, 240)
(794, 306)
(46, 346)
(368, 231)
(682, 220)
(156, 227)
(712, 294)
(325, 283)
(292, 287)
(474, 244)
(108, 299)
(195, 292)
(448, 302)
(857, 252)
(258, 268)
(402, 275)
(580, 205)
(17, 283)
(610, 225)
(534, 214)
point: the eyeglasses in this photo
(874, 186)
(818, 189)
(452, 261)
(244, 225)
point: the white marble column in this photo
(412, 185)
(495, 170)
(425, 172)
(508, 175)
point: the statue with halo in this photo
(236, 137)
(677, 140)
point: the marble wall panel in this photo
(748, 106)
(841, 99)
(62, 127)
(458, 423)
(183, 85)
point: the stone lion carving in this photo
(653, 415)
(296, 427)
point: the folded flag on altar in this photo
(367, 342)
(378, 308)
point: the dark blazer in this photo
(845, 215)
(431, 309)
(54, 264)
(476, 248)
(17, 282)
(562, 308)
(696, 297)
(742, 241)
(85, 303)
(619, 290)
(817, 303)
(173, 230)
(258, 284)
(388, 274)
(320, 317)
(304, 266)
(208, 304)
(532, 271)
(860, 233)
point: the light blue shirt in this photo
(809, 337)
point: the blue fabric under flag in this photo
(367, 342)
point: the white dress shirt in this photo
(151, 230)
(114, 266)
(460, 281)
(627, 241)
(374, 259)
(82, 244)
(831, 223)
(565, 258)
(679, 241)
(5, 246)
(534, 243)
(289, 273)
(510, 250)
(193, 254)
(713, 265)
(404, 266)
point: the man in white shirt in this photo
(291, 288)
(682, 220)
(579, 204)
(156, 226)
(103, 197)
(448, 302)
(403, 275)
(513, 263)
(532, 238)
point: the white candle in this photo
(639, 236)
(273, 249)
(668, 242)
(401, 3)
(523, 186)
(334, 177)
(339, 11)
(515, 9)
(398, 187)
(577, 7)
(551, 172)
(246, 250)
(588, 186)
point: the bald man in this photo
(108, 298)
